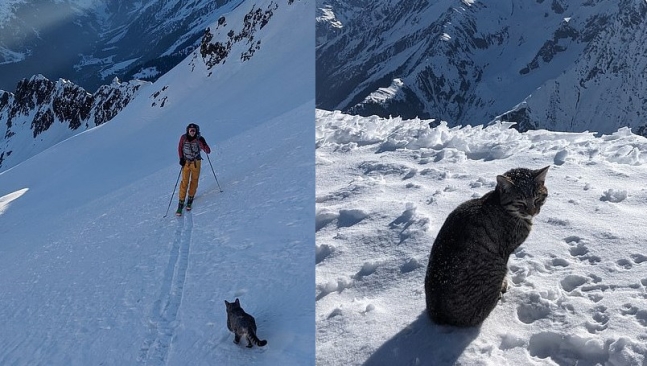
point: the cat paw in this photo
(504, 286)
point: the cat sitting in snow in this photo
(242, 324)
(468, 261)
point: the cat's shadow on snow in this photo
(424, 343)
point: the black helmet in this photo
(193, 125)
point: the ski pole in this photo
(214, 173)
(173, 194)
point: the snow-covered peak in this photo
(576, 66)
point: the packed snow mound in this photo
(578, 284)
(497, 141)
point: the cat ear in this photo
(540, 174)
(237, 302)
(504, 182)
(227, 303)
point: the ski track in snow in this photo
(577, 285)
(163, 318)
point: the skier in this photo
(189, 150)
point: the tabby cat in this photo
(242, 324)
(467, 267)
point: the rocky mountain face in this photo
(41, 113)
(216, 51)
(561, 65)
(90, 42)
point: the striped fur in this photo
(242, 324)
(468, 261)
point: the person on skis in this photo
(189, 150)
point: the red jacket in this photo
(189, 149)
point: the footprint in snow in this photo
(412, 173)
(367, 269)
(579, 250)
(434, 174)
(348, 218)
(404, 224)
(517, 275)
(628, 264)
(558, 222)
(560, 157)
(639, 314)
(342, 194)
(322, 252)
(377, 168)
(482, 182)
(600, 320)
(324, 217)
(624, 263)
(533, 308)
(638, 258)
(559, 262)
(411, 265)
(565, 349)
(571, 282)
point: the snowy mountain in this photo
(561, 65)
(91, 42)
(92, 273)
(578, 284)
(42, 113)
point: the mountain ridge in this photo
(90, 43)
(41, 113)
(472, 63)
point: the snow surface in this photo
(91, 273)
(578, 284)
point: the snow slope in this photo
(92, 273)
(578, 283)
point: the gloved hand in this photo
(182, 161)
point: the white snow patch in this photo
(384, 95)
(149, 72)
(8, 198)
(328, 16)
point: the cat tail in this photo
(257, 341)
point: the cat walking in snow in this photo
(242, 324)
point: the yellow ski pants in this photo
(190, 176)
